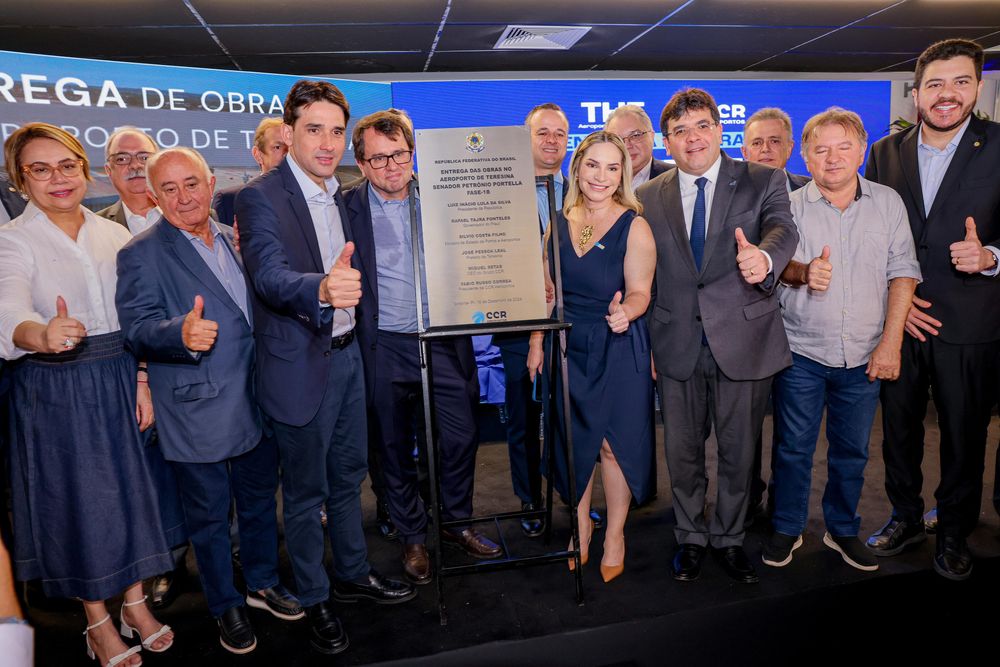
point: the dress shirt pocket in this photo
(661, 314)
(875, 250)
(193, 392)
(760, 308)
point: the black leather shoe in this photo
(736, 564)
(386, 527)
(416, 564)
(952, 559)
(687, 562)
(896, 536)
(378, 589)
(235, 633)
(327, 634)
(532, 527)
(473, 543)
(165, 588)
(277, 600)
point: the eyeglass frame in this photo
(371, 160)
(75, 165)
(701, 127)
(111, 159)
(633, 138)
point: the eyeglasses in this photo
(634, 137)
(701, 128)
(124, 159)
(39, 171)
(381, 161)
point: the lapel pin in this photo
(976, 144)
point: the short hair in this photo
(262, 128)
(946, 50)
(126, 129)
(190, 153)
(306, 92)
(24, 135)
(390, 123)
(624, 194)
(546, 106)
(771, 113)
(685, 100)
(633, 109)
(849, 120)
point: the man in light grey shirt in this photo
(844, 300)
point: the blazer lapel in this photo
(673, 210)
(246, 278)
(722, 197)
(363, 237)
(911, 170)
(971, 141)
(192, 261)
(297, 202)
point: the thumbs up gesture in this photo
(62, 333)
(819, 271)
(342, 286)
(198, 333)
(616, 317)
(752, 262)
(969, 255)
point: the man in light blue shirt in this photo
(378, 210)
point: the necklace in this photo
(585, 235)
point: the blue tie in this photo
(698, 223)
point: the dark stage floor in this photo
(815, 611)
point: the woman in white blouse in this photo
(86, 518)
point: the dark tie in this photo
(698, 223)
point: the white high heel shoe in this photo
(115, 659)
(147, 643)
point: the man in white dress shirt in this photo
(126, 153)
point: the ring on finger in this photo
(68, 343)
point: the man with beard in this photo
(945, 169)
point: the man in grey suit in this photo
(723, 232)
(126, 153)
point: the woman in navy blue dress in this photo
(87, 520)
(607, 256)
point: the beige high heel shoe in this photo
(114, 660)
(147, 643)
(584, 550)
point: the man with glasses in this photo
(723, 232)
(632, 124)
(126, 153)
(379, 212)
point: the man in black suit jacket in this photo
(125, 154)
(724, 232)
(11, 201)
(379, 214)
(945, 169)
(268, 151)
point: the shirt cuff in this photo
(770, 264)
(996, 269)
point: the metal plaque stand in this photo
(557, 366)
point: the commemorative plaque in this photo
(482, 249)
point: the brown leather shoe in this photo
(416, 564)
(473, 543)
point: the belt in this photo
(342, 341)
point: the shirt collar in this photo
(149, 213)
(863, 189)
(382, 201)
(32, 213)
(216, 232)
(687, 180)
(952, 145)
(309, 187)
(645, 171)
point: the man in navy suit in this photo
(268, 151)
(310, 379)
(184, 306)
(379, 214)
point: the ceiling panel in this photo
(307, 39)
(110, 43)
(943, 13)
(55, 13)
(315, 65)
(888, 40)
(603, 39)
(778, 12)
(305, 12)
(561, 12)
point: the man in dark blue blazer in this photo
(298, 252)
(268, 151)
(379, 214)
(184, 306)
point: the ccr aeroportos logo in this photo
(479, 317)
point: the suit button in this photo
(327, 353)
(698, 317)
(701, 285)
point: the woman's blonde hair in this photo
(22, 136)
(623, 195)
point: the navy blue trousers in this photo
(324, 463)
(206, 489)
(398, 408)
(524, 416)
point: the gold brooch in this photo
(585, 235)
